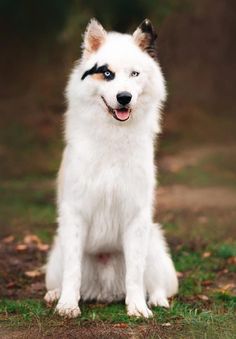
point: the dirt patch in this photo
(21, 275)
(95, 330)
(190, 157)
(183, 197)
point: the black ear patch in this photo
(146, 37)
(146, 27)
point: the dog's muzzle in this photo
(120, 114)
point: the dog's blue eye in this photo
(134, 74)
(107, 74)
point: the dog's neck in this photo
(108, 131)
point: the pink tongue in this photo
(122, 115)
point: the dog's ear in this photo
(94, 37)
(146, 38)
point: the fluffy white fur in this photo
(107, 247)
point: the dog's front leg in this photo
(135, 251)
(71, 235)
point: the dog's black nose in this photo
(124, 98)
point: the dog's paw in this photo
(139, 309)
(68, 310)
(52, 296)
(158, 298)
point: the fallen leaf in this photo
(43, 247)
(231, 260)
(227, 287)
(9, 239)
(121, 325)
(203, 297)
(166, 324)
(179, 274)
(31, 239)
(33, 274)
(21, 247)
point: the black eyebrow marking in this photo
(102, 69)
(89, 72)
(95, 70)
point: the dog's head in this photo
(118, 74)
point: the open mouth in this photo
(120, 114)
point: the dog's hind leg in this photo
(160, 275)
(54, 273)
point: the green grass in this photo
(28, 204)
(226, 251)
(46, 235)
(116, 313)
(25, 309)
(28, 152)
(189, 319)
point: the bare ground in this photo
(182, 197)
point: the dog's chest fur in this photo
(113, 180)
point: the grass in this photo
(195, 320)
(28, 201)
(226, 251)
(116, 313)
(34, 154)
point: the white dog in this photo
(107, 247)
